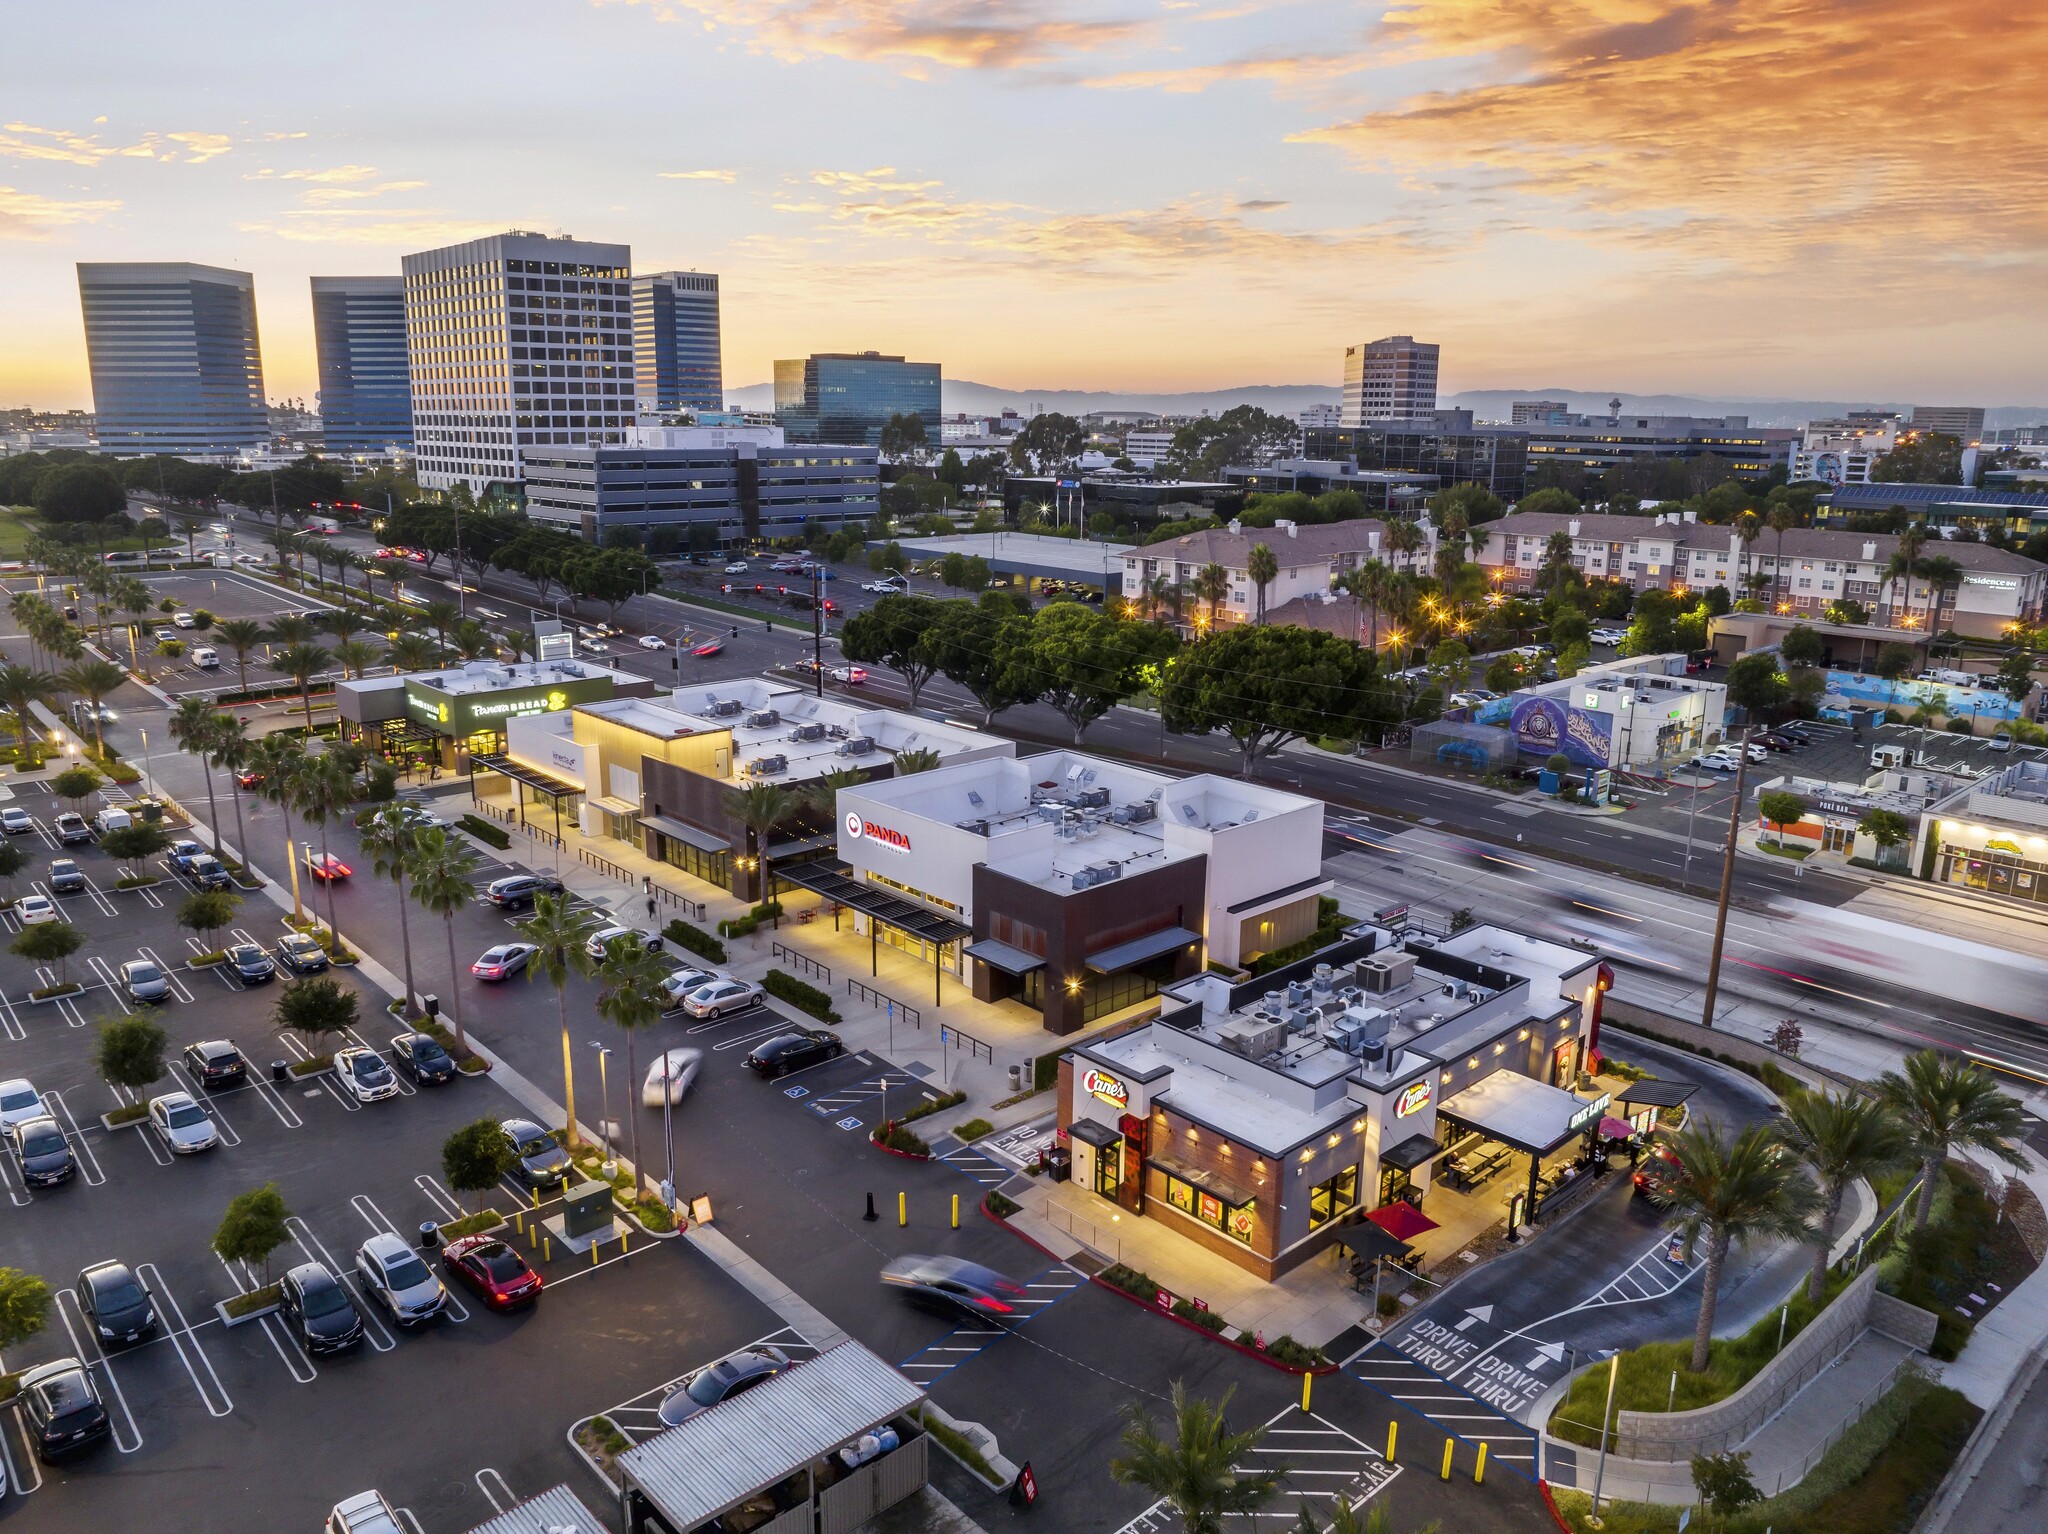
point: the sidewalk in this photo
(2006, 1339)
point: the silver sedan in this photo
(670, 1076)
(182, 1124)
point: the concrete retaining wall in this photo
(1908, 1323)
(1630, 1016)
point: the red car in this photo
(326, 867)
(491, 1270)
(248, 777)
(1658, 1169)
(708, 648)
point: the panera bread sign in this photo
(860, 830)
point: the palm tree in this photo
(344, 623)
(278, 762)
(21, 688)
(917, 759)
(1212, 585)
(558, 931)
(443, 871)
(1557, 560)
(1730, 1190)
(1946, 1103)
(413, 652)
(1841, 1138)
(355, 657)
(1451, 543)
(1905, 557)
(823, 795)
(1345, 1519)
(443, 616)
(302, 662)
(241, 635)
(1405, 537)
(229, 748)
(1197, 1471)
(133, 598)
(763, 807)
(1748, 528)
(293, 628)
(1263, 566)
(323, 789)
(1370, 583)
(473, 641)
(1782, 520)
(627, 981)
(95, 681)
(386, 835)
(1940, 573)
(192, 729)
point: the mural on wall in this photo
(1544, 726)
(1956, 702)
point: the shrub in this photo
(1299, 1354)
(1132, 1281)
(695, 939)
(1207, 1319)
(893, 1136)
(1046, 1071)
(767, 910)
(933, 1105)
(1001, 1206)
(973, 1129)
(738, 926)
(800, 994)
(484, 831)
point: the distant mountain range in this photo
(958, 395)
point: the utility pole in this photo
(817, 630)
(1727, 878)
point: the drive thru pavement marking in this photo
(1411, 1379)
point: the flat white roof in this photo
(1519, 1109)
(1028, 553)
(487, 676)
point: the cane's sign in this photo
(1413, 1099)
(1099, 1084)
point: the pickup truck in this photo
(71, 828)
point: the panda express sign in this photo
(862, 830)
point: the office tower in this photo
(849, 396)
(515, 341)
(1320, 418)
(1538, 412)
(176, 367)
(675, 341)
(365, 390)
(1389, 380)
(1963, 422)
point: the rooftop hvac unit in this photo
(768, 766)
(1083, 878)
(1297, 994)
(1305, 1020)
(1142, 811)
(1387, 972)
(764, 719)
(1093, 798)
(1349, 994)
(1253, 1040)
(1104, 872)
(1049, 812)
(977, 827)
(726, 708)
(808, 732)
(1090, 823)
(1273, 1001)
(858, 745)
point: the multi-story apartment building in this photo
(849, 396)
(1392, 379)
(1320, 417)
(176, 363)
(365, 388)
(514, 342)
(676, 348)
(1802, 573)
(1963, 422)
(1841, 452)
(1539, 412)
(1310, 560)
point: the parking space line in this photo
(440, 1196)
(67, 1006)
(405, 1088)
(500, 1499)
(380, 1223)
(20, 1197)
(278, 1338)
(177, 985)
(310, 1244)
(14, 1479)
(88, 1163)
(12, 1024)
(304, 1051)
(149, 1273)
(218, 971)
(99, 896)
(85, 1347)
(128, 1098)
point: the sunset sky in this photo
(1785, 197)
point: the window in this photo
(1329, 1199)
(1209, 1209)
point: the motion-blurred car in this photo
(492, 1271)
(326, 867)
(708, 648)
(503, 961)
(515, 892)
(680, 983)
(669, 1077)
(954, 1284)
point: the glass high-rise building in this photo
(176, 364)
(365, 391)
(849, 396)
(675, 341)
(515, 341)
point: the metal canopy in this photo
(1233, 1195)
(1011, 961)
(1522, 1112)
(1415, 1151)
(540, 782)
(832, 880)
(1653, 1093)
(558, 1510)
(1365, 1239)
(683, 831)
(1101, 1136)
(1139, 949)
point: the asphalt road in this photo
(2011, 1491)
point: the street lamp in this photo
(901, 577)
(605, 1089)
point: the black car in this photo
(252, 966)
(542, 1161)
(516, 891)
(422, 1058)
(318, 1309)
(62, 1410)
(301, 955)
(116, 1302)
(208, 872)
(788, 1052)
(730, 1376)
(41, 1151)
(953, 1284)
(216, 1063)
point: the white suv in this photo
(365, 1513)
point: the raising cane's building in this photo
(1259, 1119)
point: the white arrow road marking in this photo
(1477, 1313)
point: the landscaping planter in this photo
(132, 1117)
(267, 1307)
(53, 993)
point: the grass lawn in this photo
(19, 523)
(1796, 854)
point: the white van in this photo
(206, 657)
(1882, 757)
(111, 819)
(1950, 678)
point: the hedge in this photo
(800, 994)
(973, 1130)
(484, 831)
(1046, 1070)
(1207, 1319)
(934, 1105)
(695, 939)
(896, 1138)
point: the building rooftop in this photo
(1292, 544)
(1024, 553)
(485, 676)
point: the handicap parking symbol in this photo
(849, 1123)
(796, 1091)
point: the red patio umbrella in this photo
(1612, 1128)
(1404, 1222)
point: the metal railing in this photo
(860, 991)
(510, 819)
(959, 1038)
(803, 964)
(1854, 1416)
(1096, 1238)
(694, 909)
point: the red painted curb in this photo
(1250, 1352)
(1544, 1487)
(890, 1150)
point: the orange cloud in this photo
(25, 215)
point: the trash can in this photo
(1059, 1163)
(1016, 1078)
(280, 1071)
(430, 1235)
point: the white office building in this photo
(516, 341)
(1392, 379)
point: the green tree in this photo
(228, 747)
(626, 998)
(1084, 663)
(191, 726)
(1779, 809)
(73, 784)
(322, 789)
(1197, 1468)
(1894, 661)
(1724, 1483)
(1727, 1191)
(1212, 585)
(1345, 1518)
(241, 636)
(477, 1156)
(2016, 675)
(129, 1052)
(969, 645)
(386, 837)
(302, 662)
(20, 690)
(1265, 687)
(95, 681)
(24, 1307)
(904, 437)
(1948, 1103)
(1262, 565)
(1549, 501)
(12, 861)
(253, 1227)
(890, 634)
(131, 845)
(316, 1009)
(278, 761)
(1801, 646)
(1451, 664)
(205, 912)
(917, 759)
(80, 492)
(1921, 458)
(1886, 828)
(1842, 1139)
(413, 652)
(443, 873)
(558, 932)
(1847, 612)
(49, 942)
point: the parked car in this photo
(116, 1303)
(794, 1051)
(318, 1310)
(20, 1102)
(1713, 761)
(419, 818)
(183, 1126)
(15, 820)
(184, 620)
(32, 910)
(41, 1153)
(492, 1271)
(61, 1409)
(365, 1513)
(143, 981)
(301, 954)
(364, 1075)
(652, 642)
(602, 939)
(66, 877)
(209, 872)
(181, 853)
(681, 982)
(252, 966)
(737, 567)
(542, 1161)
(421, 1057)
(732, 1375)
(216, 1062)
(955, 1285)
(503, 960)
(71, 828)
(391, 1273)
(516, 891)
(670, 1076)
(326, 867)
(852, 676)
(721, 997)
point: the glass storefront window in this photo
(1333, 1197)
(711, 867)
(1996, 873)
(1211, 1210)
(1105, 994)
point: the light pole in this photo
(1606, 1415)
(668, 1188)
(605, 1090)
(146, 784)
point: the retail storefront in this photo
(1534, 1138)
(1991, 836)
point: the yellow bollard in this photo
(1306, 1381)
(956, 1211)
(1479, 1470)
(902, 1208)
(1449, 1444)
(1447, 1447)
(547, 1248)
(1392, 1429)
(519, 1221)
(624, 1250)
(536, 1201)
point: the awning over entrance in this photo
(683, 831)
(519, 772)
(1011, 961)
(1139, 949)
(1101, 1136)
(832, 880)
(1656, 1094)
(1232, 1195)
(1522, 1111)
(797, 846)
(1415, 1151)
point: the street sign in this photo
(1025, 1492)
